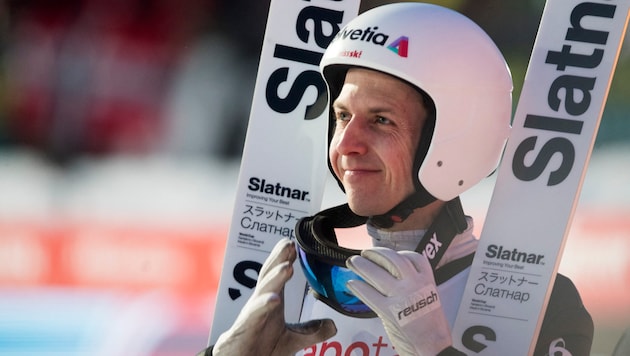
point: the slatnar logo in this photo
(399, 46)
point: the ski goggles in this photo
(323, 261)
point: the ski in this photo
(283, 168)
(540, 177)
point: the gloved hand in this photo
(260, 328)
(400, 289)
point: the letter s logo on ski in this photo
(240, 276)
(325, 24)
(472, 336)
(530, 159)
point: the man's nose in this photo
(352, 139)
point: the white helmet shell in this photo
(456, 63)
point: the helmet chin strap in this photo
(420, 198)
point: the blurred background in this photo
(121, 129)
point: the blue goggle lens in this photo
(328, 281)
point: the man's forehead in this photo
(355, 72)
(377, 81)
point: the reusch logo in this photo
(400, 46)
(417, 305)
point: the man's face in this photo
(378, 124)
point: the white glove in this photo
(260, 328)
(400, 289)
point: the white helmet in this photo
(453, 61)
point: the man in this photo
(420, 110)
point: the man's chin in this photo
(364, 210)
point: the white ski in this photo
(283, 170)
(540, 177)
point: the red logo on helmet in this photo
(400, 46)
(351, 54)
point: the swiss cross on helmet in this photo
(463, 76)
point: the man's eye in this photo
(383, 120)
(343, 116)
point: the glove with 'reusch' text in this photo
(400, 288)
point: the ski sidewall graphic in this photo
(283, 169)
(540, 177)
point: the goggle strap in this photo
(452, 268)
(342, 216)
(450, 222)
(317, 233)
